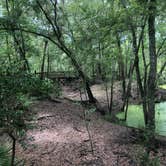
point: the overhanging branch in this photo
(31, 32)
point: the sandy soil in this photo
(60, 138)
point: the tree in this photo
(60, 43)
(153, 65)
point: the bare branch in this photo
(55, 15)
(162, 69)
(48, 18)
(160, 47)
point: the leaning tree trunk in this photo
(74, 62)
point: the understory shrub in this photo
(146, 160)
(43, 87)
(4, 156)
(16, 89)
(15, 96)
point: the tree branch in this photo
(48, 18)
(162, 69)
(160, 47)
(31, 32)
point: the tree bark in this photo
(153, 65)
(43, 59)
(17, 38)
(62, 46)
(48, 62)
(139, 81)
(121, 67)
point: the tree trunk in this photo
(7, 45)
(13, 148)
(62, 46)
(79, 70)
(48, 62)
(121, 67)
(138, 74)
(111, 95)
(18, 38)
(99, 65)
(43, 60)
(153, 65)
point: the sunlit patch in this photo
(163, 86)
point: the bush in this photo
(4, 156)
(146, 160)
(43, 87)
(16, 87)
(14, 97)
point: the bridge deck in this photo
(59, 75)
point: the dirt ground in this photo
(61, 139)
(62, 136)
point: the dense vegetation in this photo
(98, 41)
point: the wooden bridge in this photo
(59, 75)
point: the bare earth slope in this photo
(61, 139)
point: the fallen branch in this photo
(54, 100)
(48, 152)
(43, 117)
(75, 128)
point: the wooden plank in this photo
(59, 75)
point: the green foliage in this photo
(40, 87)
(146, 155)
(4, 157)
(16, 88)
(16, 82)
(13, 103)
(162, 79)
(108, 117)
(145, 160)
(90, 111)
(89, 31)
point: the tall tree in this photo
(43, 59)
(153, 64)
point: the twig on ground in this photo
(43, 117)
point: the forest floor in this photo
(60, 136)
